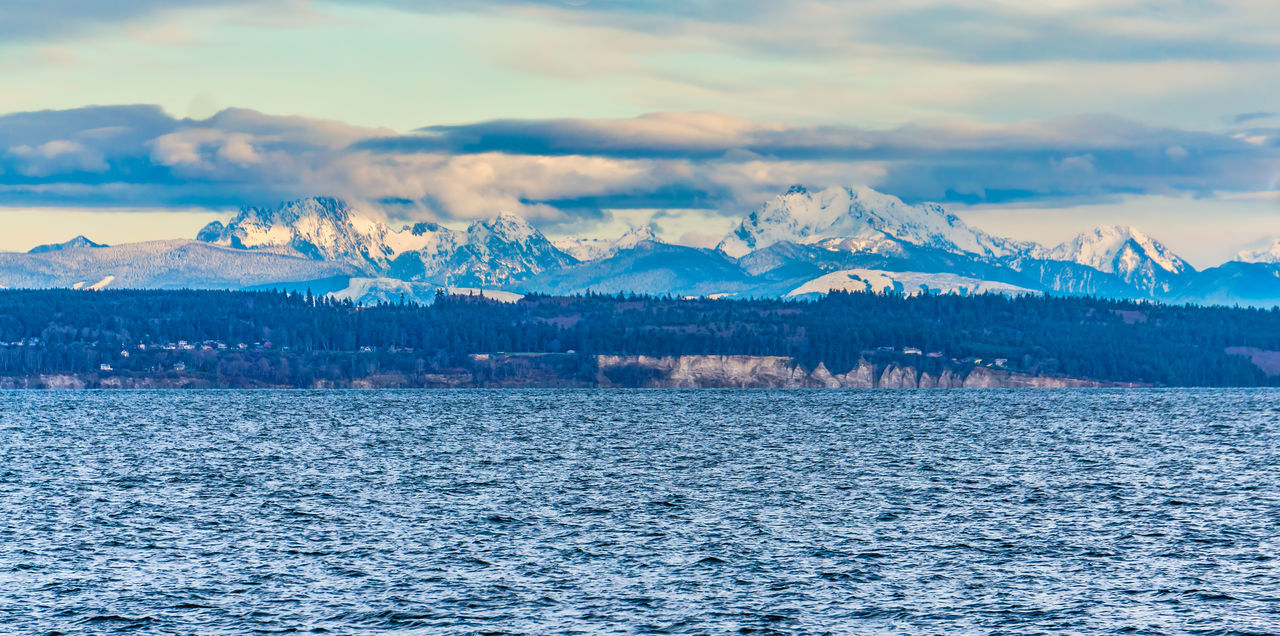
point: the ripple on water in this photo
(640, 511)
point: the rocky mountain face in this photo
(1135, 258)
(594, 249)
(504, 249)
(493, 252)
(860, 220)
(799, 243)
(319, 228)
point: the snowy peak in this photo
(505, 227)
(501, 249)
(595, 249)
(1134, 257)
(431, 240)
(864, 215)
(78, 242)
(1117, 249)
(320, 228)
(325, 229)
(1265, 251)
(302, 211)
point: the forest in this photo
(288, 339)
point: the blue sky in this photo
(142, 118)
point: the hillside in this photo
(124, 338)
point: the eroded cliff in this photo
(732, 371)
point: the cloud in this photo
(971, 30)
(568, 171)
(1244, 118)
(810, 60)
(24, 20)
(1087, 156)
(55, 156)
(712, 135)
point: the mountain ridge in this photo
(800, 240)
(1126, 252)
(80, 241)
(860, 219)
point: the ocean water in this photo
(495, 512)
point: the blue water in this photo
(640, 512)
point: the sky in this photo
(145, 119)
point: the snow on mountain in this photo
(503, 249)
(648, 268)
(594, 249)
(1265, 251)
(860, 218)
(425, 238)
(171, 264)
(98, 286)
(78, 242)
(371, 291)
(1112, 248)
(423, 251)
(327, 229)
(906, 283)
(321, 228)
(798, 243)
(1126, 252)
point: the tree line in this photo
(296, 339)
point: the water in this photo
(640, 511)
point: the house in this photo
(912, 351)
(180, 367)
(104, 367)
(1000, 362)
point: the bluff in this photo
(739, 371)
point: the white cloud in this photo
(55, 156)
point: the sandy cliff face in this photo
(700, 371)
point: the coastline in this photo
(611, 372)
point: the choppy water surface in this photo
(646, 511)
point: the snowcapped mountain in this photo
(905, 283)
(422, 251)
(649, 268)
(77, 242)
(501, 250)
(320, 228)
(328, 229)
(860, 219)
(1136, 258)
(594, 249)
(371, 291)
(160, 265)
(1265, 251)
(797, 244)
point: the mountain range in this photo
(800, 243)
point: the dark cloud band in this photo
(137, 155)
